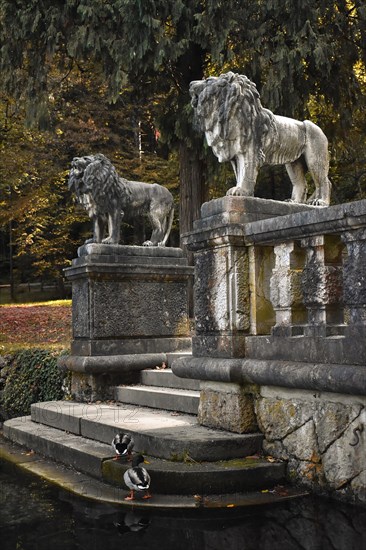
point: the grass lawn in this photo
(40, 325)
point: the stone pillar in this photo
(286, 292)
(314, 286)
(221, 292)
(130, 308)
(354, 283)
(322, 289)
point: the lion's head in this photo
(95, 182)
(228, 109)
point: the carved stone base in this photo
(130, 308)
(228, 407)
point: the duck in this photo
(123, 445)
(137, 478)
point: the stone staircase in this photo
(161, 389)
(184, 457)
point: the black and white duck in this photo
(137, 478)
(123, 445)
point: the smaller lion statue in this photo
(107, 197)
(229, 111)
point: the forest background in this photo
(87, 76)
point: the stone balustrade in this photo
(289, 275)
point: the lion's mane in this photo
(232, 97)
(96, 183)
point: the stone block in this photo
(278, 418)
(129, 293)
(232, 210)
(228, 407)
(219, 345)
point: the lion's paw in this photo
(236, 192)
(147, 243)
(318, 202)
(108, 240)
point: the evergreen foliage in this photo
(307, 58)
(33, 376)
(292, 49)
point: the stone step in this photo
(85, 455)
(203, 478)
(171, 399)
(162, 434)
(168, 477)
(166, 379)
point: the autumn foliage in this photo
(35, 325)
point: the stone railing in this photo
(280, 333)
(317, 285)
(279, 282)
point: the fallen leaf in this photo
(281, 491)
(230, 506)
(161, 367)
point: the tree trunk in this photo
(11, 264)
(193, 192)
(193, 189)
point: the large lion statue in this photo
(228, 109)
(107, 197)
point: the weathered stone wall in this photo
(296, 363)
(320, 435)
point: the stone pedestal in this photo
(227, 294)
(130, 308)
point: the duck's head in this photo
(138, 459)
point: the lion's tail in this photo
(169, 225)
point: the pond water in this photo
(37, 515)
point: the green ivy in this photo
(33, 376)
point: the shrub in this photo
(32, 375)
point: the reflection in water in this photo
(34, 515)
